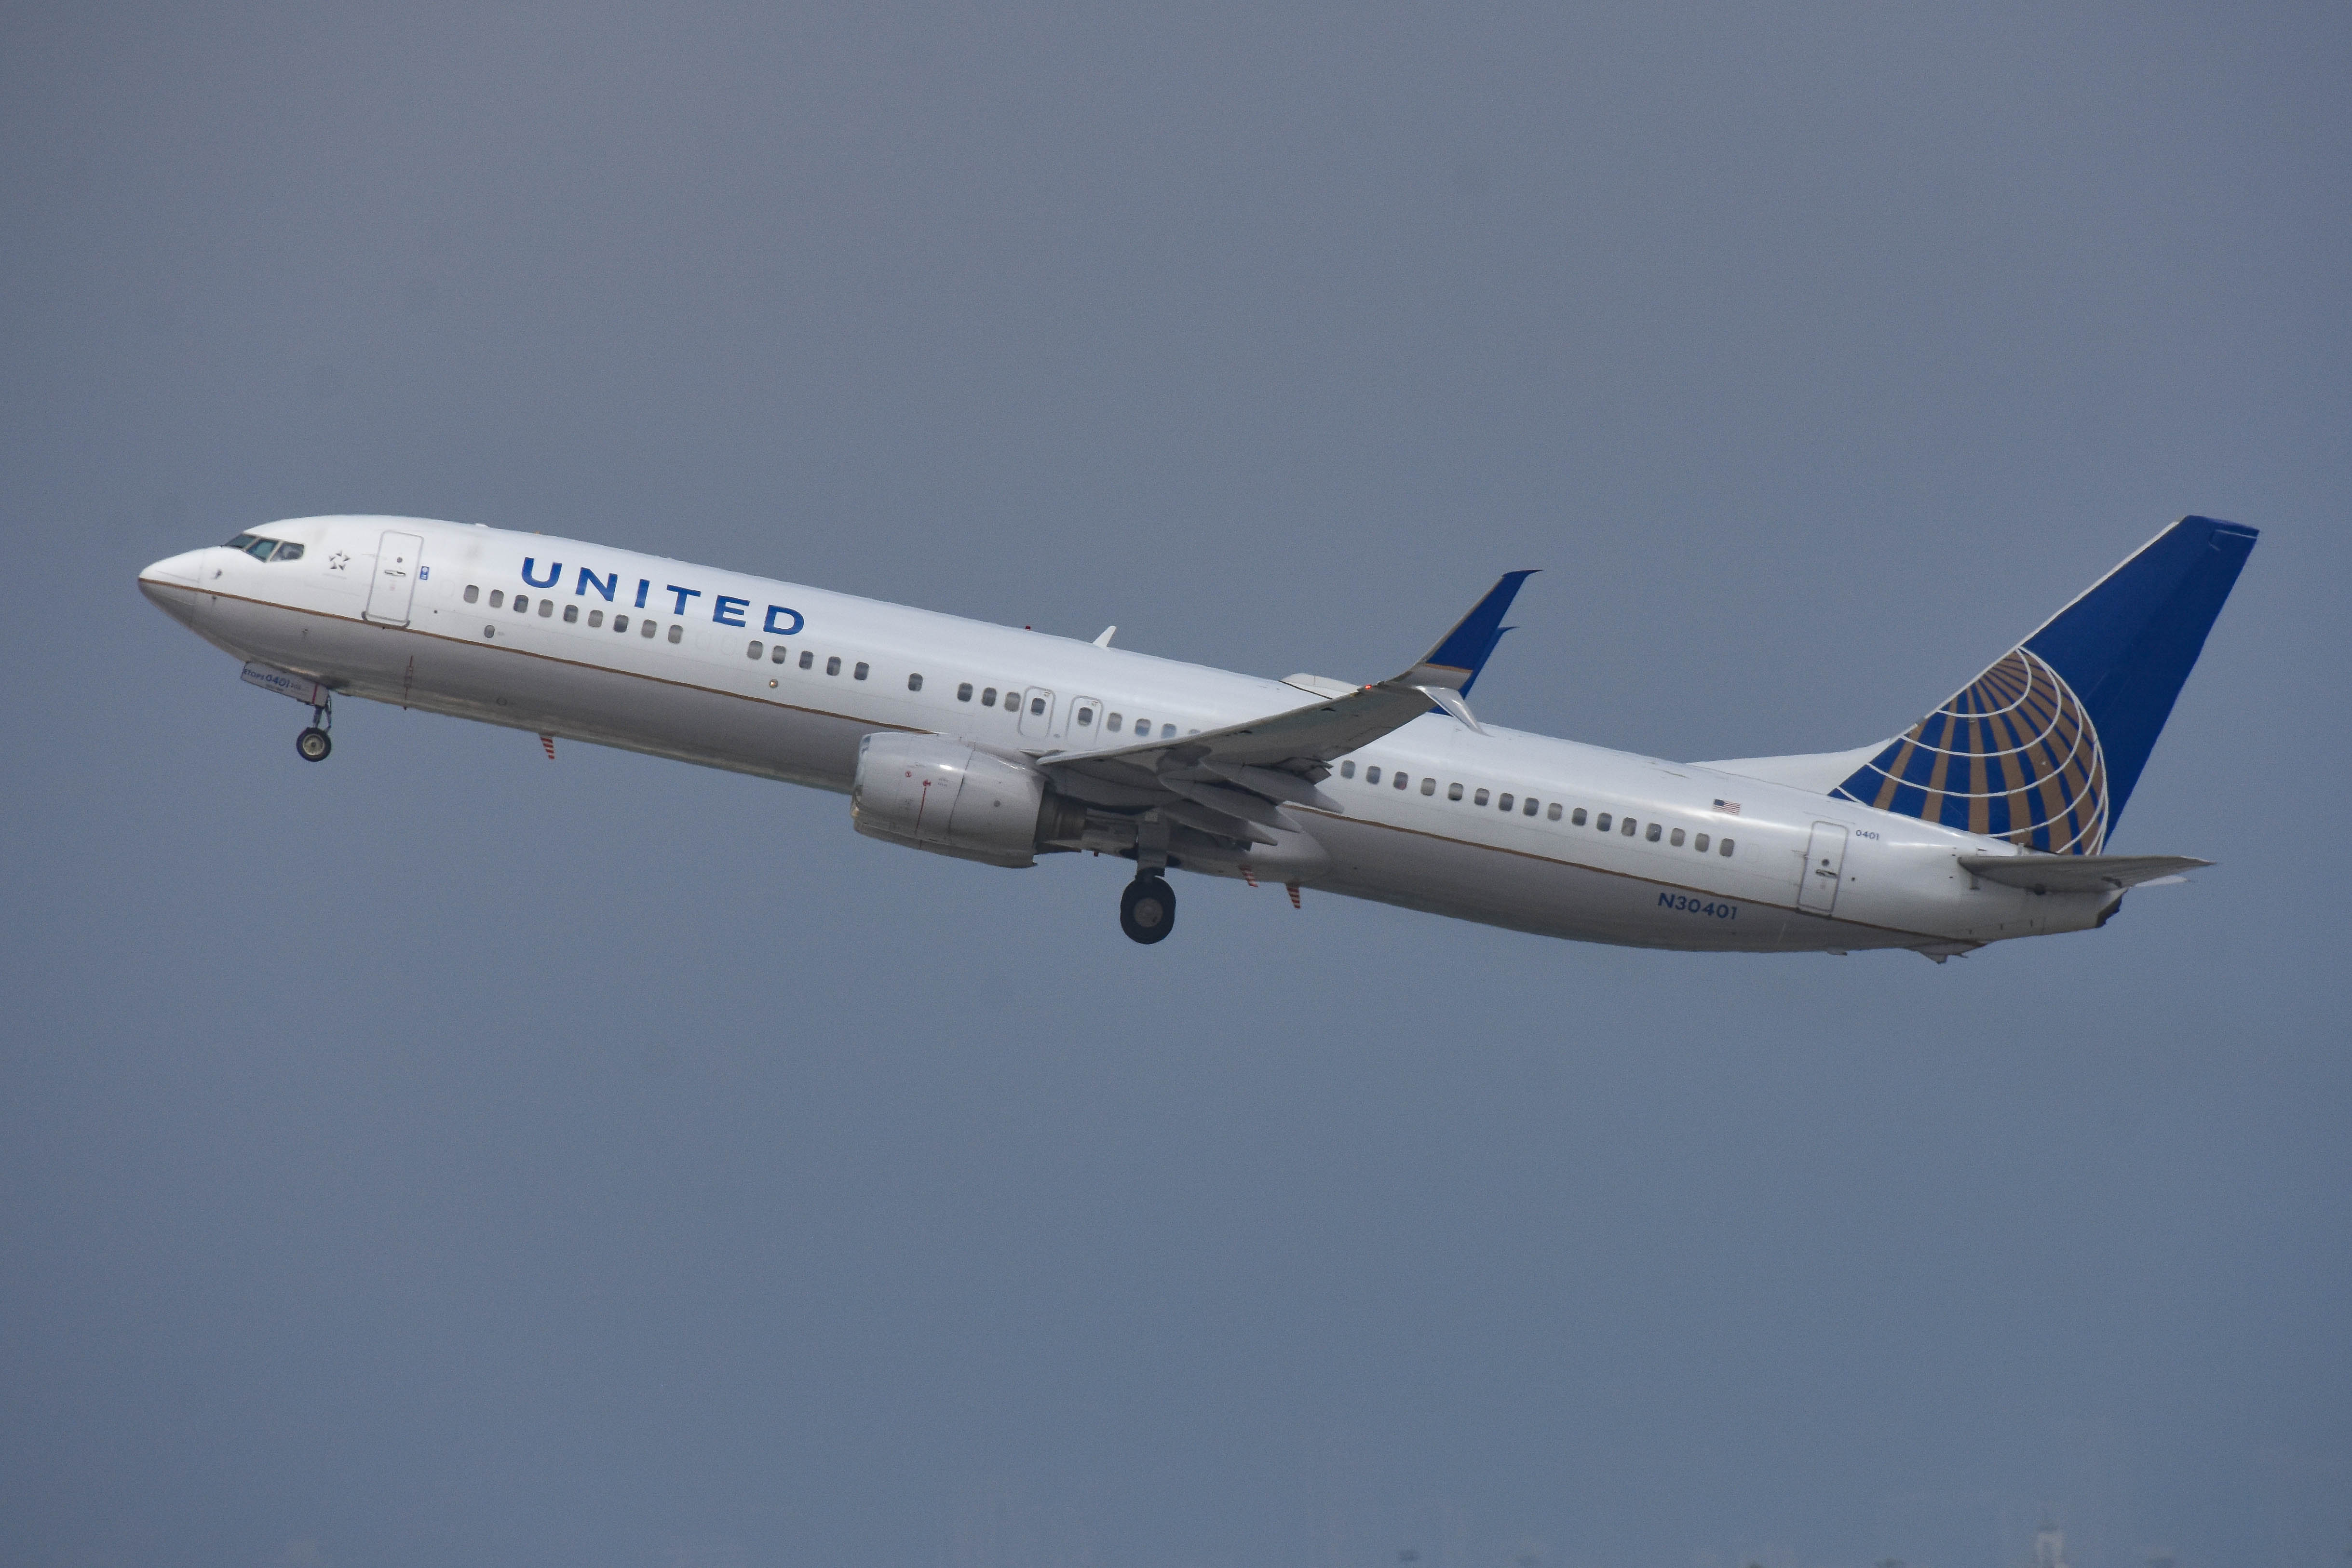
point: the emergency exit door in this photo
(1824, 868)
(1037, 713)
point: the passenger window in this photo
(753, 652)
(780, 654)
(1372, 774)
(1551, 812)
(521, 605)
(570, 615)
(1723, 848)
(595, 618)
(1113, 723)
(832, 665)
(1143, 728)
(1529, 809)
(287, 552)
(1087, 717)
(914, 683)
(1429, 786)
(473, 592)
(546, 608)
(963, 693)
(648, 628)
(1454, 792)
(1677, 839)
(1481, 799)
(675, 632)
(1652, 834)
(1627, 826)
(1699, 844)
(498, 598)
(1347, 770)
(1504, 804)
(1600, 823)
(988, 697)
(807, 658)
(859, 673)
(620, 622)
(1576, 817)
(1402, 780)
(1038, 705)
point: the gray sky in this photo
(443, 1157)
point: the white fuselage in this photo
(1806, 872)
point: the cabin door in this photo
(395, 578)
(1824, 868)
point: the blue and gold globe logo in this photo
(2013, 755)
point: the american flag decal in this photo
(1729, 807)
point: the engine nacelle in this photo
(928, 792)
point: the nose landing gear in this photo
(1147, 910)
(313, 743)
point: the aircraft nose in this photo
(182, 570)
(170, 583)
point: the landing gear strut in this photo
(313, 744)
(1147, 910)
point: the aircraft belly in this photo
(1556, 898)
(504, 685)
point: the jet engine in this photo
(928, 792)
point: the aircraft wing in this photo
(1243, 771)
(2076, 873)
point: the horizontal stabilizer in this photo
(2076, 873)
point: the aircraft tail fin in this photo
(2045, 747)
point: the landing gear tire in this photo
(312, 745)
(1147, 910)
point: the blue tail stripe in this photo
(2127, 646)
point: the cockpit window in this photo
(240, 541)
(288, 552)
(260, 548)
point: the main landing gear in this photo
(1147, 910)
(313, 743)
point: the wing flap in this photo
(1301, 737)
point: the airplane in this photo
(1986, 820)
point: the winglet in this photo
(1446, 696)
(1463, 652)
